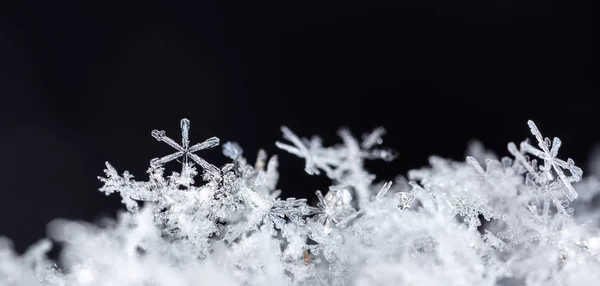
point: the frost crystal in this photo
(482, 221)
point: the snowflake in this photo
(184, 150)
(544, 177)
(335, 207)
(343, 163)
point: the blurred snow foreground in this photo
(527, 219)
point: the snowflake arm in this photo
(374, 138)
(299, 149)
(473, 162)
(205, 165)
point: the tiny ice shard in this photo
(232, 150)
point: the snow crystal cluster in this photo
(526, 219)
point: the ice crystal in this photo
(184, 150)
(342, 163)
(481, 221)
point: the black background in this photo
(82, 83)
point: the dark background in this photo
(82, 83)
